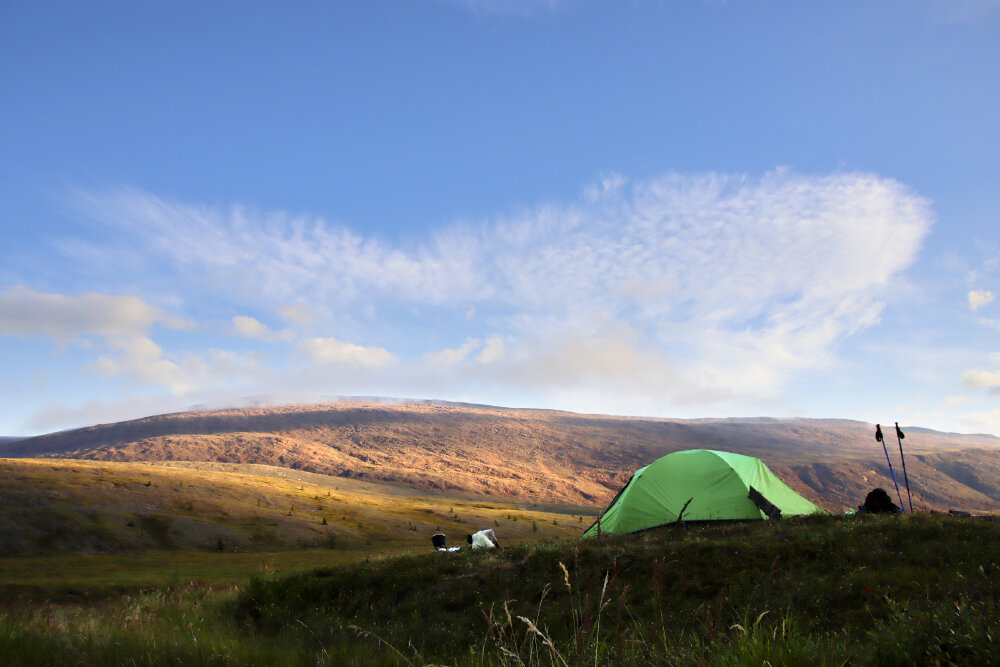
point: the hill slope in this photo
(542, 456)
(57, 505)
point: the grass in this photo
(70, 577)
(836, 590)
(60, 506)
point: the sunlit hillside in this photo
(95, 506)
(536, 455)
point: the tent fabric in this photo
(717, 483)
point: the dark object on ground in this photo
(438, 540)
(959, 513)
(878, 501)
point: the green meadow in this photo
(869, 590)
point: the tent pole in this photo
(878, 437)
(899, 439)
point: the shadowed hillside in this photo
(542, 456)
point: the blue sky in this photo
(677, 209)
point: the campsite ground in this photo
(918, 589)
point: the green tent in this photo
(720, 486)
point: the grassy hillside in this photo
(536, 455)
(52, 505)
(870, 590)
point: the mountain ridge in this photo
(536, 455)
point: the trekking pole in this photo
(879, 438)
(899, 438)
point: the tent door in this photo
(764, 505)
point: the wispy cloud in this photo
(684, 287)
(298, 313)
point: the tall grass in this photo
(179, 626)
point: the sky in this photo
(672, 209)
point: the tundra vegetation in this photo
(885, 590)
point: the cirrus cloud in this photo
(728, 285)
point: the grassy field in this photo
(79, 577)
(55, 506)
(900, 590)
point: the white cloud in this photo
(26, 312)
(333, 351)
(452, 356)
(118, 327)
(980, 298)
(727, 285)
(141, 360)
(493, 350)
(978, 378)
(291, 256)
(252, 328)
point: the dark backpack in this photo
(878, 501)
